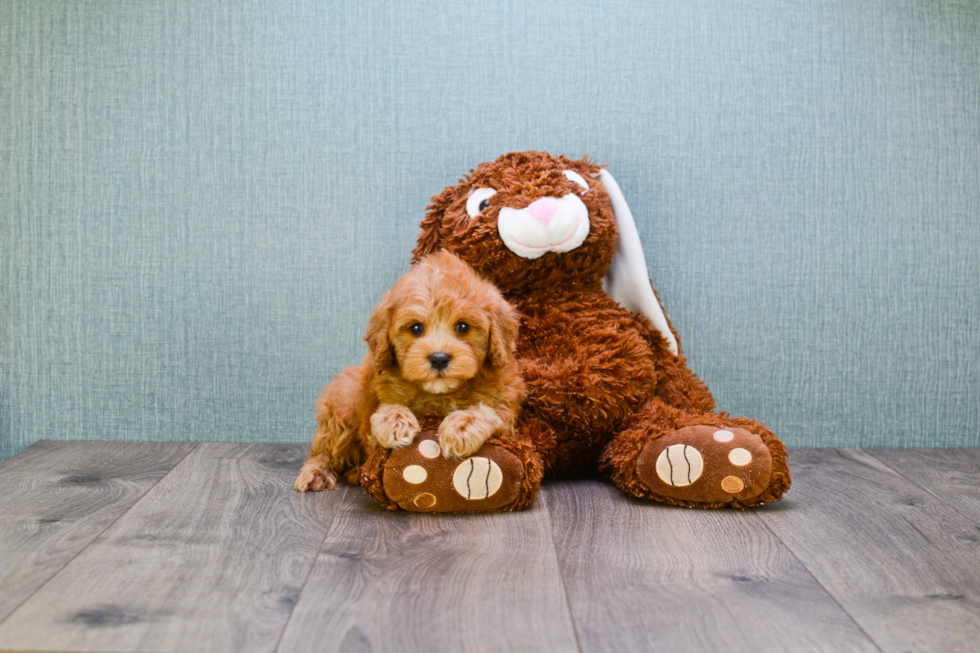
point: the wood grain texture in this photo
(394, 581)
(222, 555)
(56, 497)
(212, 559)
(642, 576)
(953, 475)
(904, 564)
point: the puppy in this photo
(440, 343)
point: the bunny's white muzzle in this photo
(548, 225)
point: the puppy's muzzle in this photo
(439, 360)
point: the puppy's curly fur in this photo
(441, 343)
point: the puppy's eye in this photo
(417, 329)
(577, 178)
(478, 201)
(462, 328)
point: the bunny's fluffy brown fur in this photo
(603, 384)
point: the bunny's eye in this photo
(478, 201)
(577, 178)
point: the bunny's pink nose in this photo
(544, 210)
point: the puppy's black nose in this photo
(439, 360)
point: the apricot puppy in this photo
(440, 343)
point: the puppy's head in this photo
(526, 219)
(441, 325)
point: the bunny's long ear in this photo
(628, 281)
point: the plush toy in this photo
(609, 389)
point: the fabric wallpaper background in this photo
(201, 201)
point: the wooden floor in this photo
(182, 547)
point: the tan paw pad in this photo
(732, 484)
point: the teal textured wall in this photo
(201, 201)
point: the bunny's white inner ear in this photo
(628, 281)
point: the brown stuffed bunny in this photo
(609, 389)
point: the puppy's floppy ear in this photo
(504, 321)
(429, 239)
(379, 344)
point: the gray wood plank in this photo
(905, 565)
(211, 559)
(390, 582)
(953, 475)
(56, 497)
(642, 576)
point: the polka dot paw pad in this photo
(706, 464)
(418, 478)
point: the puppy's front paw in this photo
(462, 432)
(315, 476)
(393, 426)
